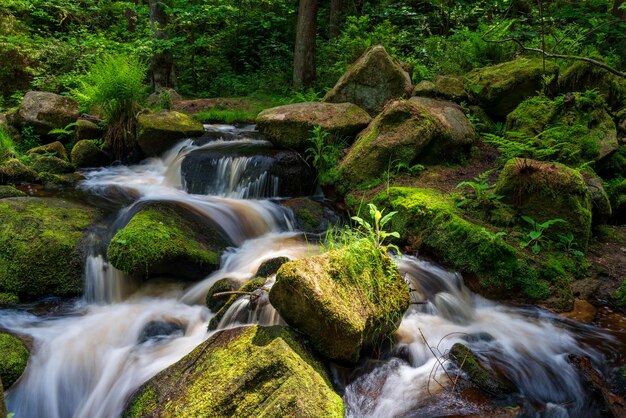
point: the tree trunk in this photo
(336, 14)
(304, 53)
(162, 65)
(131, 18)
(617, 12)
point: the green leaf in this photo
(387, 218)
(536, 248)
(535, 234)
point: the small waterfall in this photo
(104, 283)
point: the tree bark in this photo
(336, 15)
(304, 52)
(131, 18)
(162, 65)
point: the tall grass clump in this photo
(114, 85)
(7, 147)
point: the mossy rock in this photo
(46, 111)
(166, 239)
(576, 127)
(13, 359)
(66, 181)
(158, 132)
(87, 153)
(41, 246)
(290, 126)
(52, 165)
(269, 267)
(8, 299)
(479, 373)
(419, 130)
(547, 191)
(242, 372)
(373, 80)
(600, 204)
(54, 149)
(617, 195)
(443, 87)
(613, 166)
(311, 215)
(10, 191)
(344, 300)
(87, 129)
(582, 76)
(499, 89)
(13, 171)
(222, 285)
(253, 285)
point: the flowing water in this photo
(89, 355)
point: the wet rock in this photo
(419, 130)
(583, 312)
(54, 149)
(223, 285)
(158, 132)
(547, 191)
(241, 372)
(46, 111)
(87, 153)
(479, 373)
(600, 204)
(499, 89)
(270, 267)
(10, 191)
(158, 330)
(43, 246)
(373, 80)
(13, 360)
(166, 239)
(329, 298)
(88, 129)
(52, 165)
(311, 216)
(13, 171)
(442, 87)
(290, 126)
(253, 286)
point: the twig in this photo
(233, 292)
(436, 356)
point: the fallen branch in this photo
(233, 292)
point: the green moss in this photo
(250, 286)
(620, 295)
(243, 372)
(52, 165)
(40, 252)
(13, 360)
(14, 171)
(10, 191)
(223, 285)
(87, 153)
(8, 299)
(54, 149)
(582, 76)
(160, 239)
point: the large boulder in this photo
(418, 130)
(373, 80)
(290, 126)
(13, 360)
(442, 87)
(582, 76)
(14, 171)
(166, 239)
(575, 128)
(344, 300)
(42, 252)
(600, 204)
(46, 111)
(158, 132)
(87, 153)
(500, 88)
(547, 191)
(241, 372)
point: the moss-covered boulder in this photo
(582, 76)
(10, 191)
(167, 239)
(373, 80)
(418, 130)
(41, 251)
(442, 87)
(600, 204)
(253, 286)
(46, 111)
(571, 129)
(53, 149)
(87, 153)
(344, 300)
(311, 215)
(547, 191)
(617, 194)
(52, 165)
(499, 89)
(88, 129)
(290, 126)
(158, 132)
(222, 285)
(241, 372)
(13, 359)
(270, 267)
(13, 171)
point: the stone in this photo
(52, 165)
(344, 300)
(255, 286)
(13, 171)
(166, 239)
(13, 360)
(158, 132)
(54, 149)
(241, 372)
(311, 216)
(373, 80)
(290, 126)
(269, 267)
(600, 204)
(582, 76)
(87, 153)
(10, 191)
(46, 111)
(222, 285)
(443, 87)
(88, 129)
(164, 96)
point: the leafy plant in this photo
(403, 167)
(375, 231)
(30, 139)
(7, 146)
(65, 132)
(493, 236)
(480, 195)
(620, 295)
(535, 237)
(323, 153)
(568, 245)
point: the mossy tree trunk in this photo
(162, 65)
(304, 52)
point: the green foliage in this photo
(324, 153)
(481, 195)
(620, 295)
(568, 245)
(404, 167)
(375, 231)
(535, 237)
(64, 133)
(7, 146)
(30, 139)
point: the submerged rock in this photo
(344, 300)
(87, 153)
(290, 126)
(13, 359)
(158, 132)
(166, 239)
(46, 111)
(42, 246)
(500, 88)
(241, 372)
(157, 330)
(373, 80)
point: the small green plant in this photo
(375, 231)
(567, 244)
(30, 139)
(165, 100)
(323, 153)
(403, 167)
(7, 146)
(64, 133)
(480, 195)
(535, 237)
(620, 295)
(492, 237)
